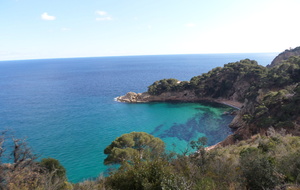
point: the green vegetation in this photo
(224, 82)
(165, 85)
(259, 163)
(263, 162)
(286, 73)
(53, 166)
(278, 109)
(133, 146)
(219, 82)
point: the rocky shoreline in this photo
(184, 96)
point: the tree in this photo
(131, 146)
(53, 166)
(164, 85)
(22, 155)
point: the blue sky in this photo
(33, 29)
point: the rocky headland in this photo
(132, 97)
(184, 96)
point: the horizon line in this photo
(128, 55)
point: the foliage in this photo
(164, 85)
(219, 82)
(23, 172)
(156, 174)
(224, 82)
(128, 147)
(53, 166)
(286, 73)
(258, 169)
(277, 109)
(260, 163)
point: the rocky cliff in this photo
(284, 56)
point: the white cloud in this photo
(46, 16)
(103, 16)
(101, 13)
(190, 25)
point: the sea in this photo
(66, 108)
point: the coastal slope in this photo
(266, 96)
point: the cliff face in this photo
(284, 56)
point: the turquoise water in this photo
(66, 107)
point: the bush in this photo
(54, 167)
(259, 170)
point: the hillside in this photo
(268, 95)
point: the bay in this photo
(66, 109)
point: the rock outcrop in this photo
(284, 56)
(185, 96)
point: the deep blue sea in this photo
(66, 109)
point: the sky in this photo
(35, 29)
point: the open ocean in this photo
(65, 108)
